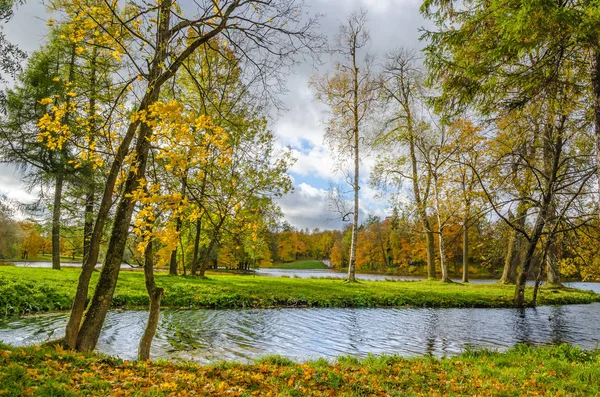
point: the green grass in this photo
(28, 290)
(541, 371)
(300, 264)
(48, 258)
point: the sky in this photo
(392, 24)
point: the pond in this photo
(303, 334)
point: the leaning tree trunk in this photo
(91, 259)
(58, 188)
(552, 154)
(100, 303)
(155, 295)
(88, 224)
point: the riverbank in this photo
(299, 264)
(543, 371)
(30, 290)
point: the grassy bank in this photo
(301, 264)
(29, 290)
(541, 371)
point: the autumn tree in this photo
(152, 41)
(10, 232)
(402, 89)
(350, 94)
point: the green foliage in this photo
(522, 370)
(27, 290)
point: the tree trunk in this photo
(552, 270)
(90, 261)
(596, 99)
(58, 188)
(355, 185)
(441, 239)
(551, 253)
(155, 295)
(552, 154)
(430, 240)
(211, 245)
(100, 303)
(88, 224)
(173, 262)
(465, 273)
(194, 269)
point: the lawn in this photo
(300, 264)
(29, 290)
(48, 258)
(536, 371)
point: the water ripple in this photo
(302, 334)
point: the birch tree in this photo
(350, 94)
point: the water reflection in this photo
(302, 334)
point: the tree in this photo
(10, 232)
(513, 57)
(153, 41)
(402, 89)
(42, 88)
(10, 60)
(33, 242)
(350, 94)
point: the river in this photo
(303, 334)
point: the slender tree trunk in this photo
(355, 185)
(510, 252)
(173, 262)
(430, 241)
(88, 224)
(58, 188)
(552, 270)
(196, 247)
(155, 294)
(465, 273)
(422, 211)
(596, 99)
(441, 239)
(551, 253)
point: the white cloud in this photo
(307, 207)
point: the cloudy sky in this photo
(392, 24)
